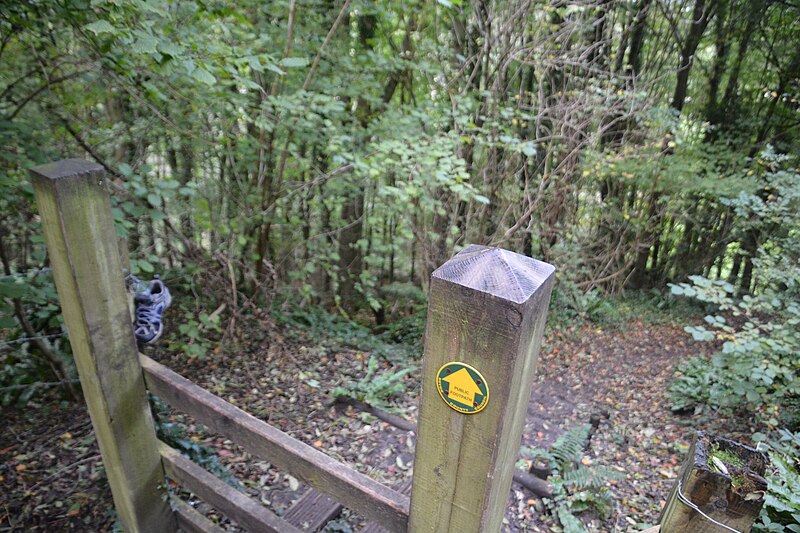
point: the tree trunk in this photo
(637, 37)
(700, 17)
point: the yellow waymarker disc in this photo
(462, 387)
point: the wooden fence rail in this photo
(357, 491)
(248, 513)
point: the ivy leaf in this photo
(100, 26)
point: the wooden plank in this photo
(372, 527)
(236, 505)
(81, 241)
(487, 309)
(312, 511)
(364, 495)
(705, 494)
(190, 520)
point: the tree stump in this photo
(720, 488)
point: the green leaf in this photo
(9, 289)
(529, 149)
(189, 65)
(100, 26)
(145, 266)
(145, 43)
(154, 199)
(169, 48)
(201, 74)
(291, 62)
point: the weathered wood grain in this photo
(713, 492)
(487, 308)
(190, 520)
(237, 506)
(81, 241)
(404, 488)
(356, 491)
(312, 511)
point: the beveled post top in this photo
(507, 275)
(66, 168)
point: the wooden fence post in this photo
(720, 488)
(82, 244)
(487, 313)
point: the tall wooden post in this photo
(82, 243)
(486, 315)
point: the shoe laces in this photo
(148, 313)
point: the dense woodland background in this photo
(331, 154)
(339, 149)
(336, 153)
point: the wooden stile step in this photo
(312, 511)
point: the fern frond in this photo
(568, 521)
(583, 477)
(568, 448)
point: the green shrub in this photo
(757, 365)
(781, 511)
